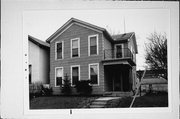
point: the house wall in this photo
(107, 44)
(39, 59)
(44, 65)
(107, 48)
(76, 31)
(131, 44)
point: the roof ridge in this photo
(78, 21)
(38, 41)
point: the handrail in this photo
(117, 54)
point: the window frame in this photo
(97, 42)
(78, 47)
(62, 75)
(89, 76)
(122, 46)
(79, 73)
(56, 50)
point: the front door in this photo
(118, 82)
(119, 51)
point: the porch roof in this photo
(125, 61)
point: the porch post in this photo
(130, 79)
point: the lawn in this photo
(148, 100)
(69, 102)
(60, 102)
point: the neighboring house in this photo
(38, 61)
(84, 51)
(153, 81)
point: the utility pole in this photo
(124, 26)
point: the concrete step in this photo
(118, 94)
(97, 106)
(99, 103)
(102, 102)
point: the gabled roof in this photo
(72, 21)
(112, 39)
(124, 36)
(121, 38)
(152, 77)
(38, 42)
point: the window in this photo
(30, 74)
(119, 51)
(59, 76)
(75, 50)
(94, 73)
(93, 45)
(75, 74)
(59, 50)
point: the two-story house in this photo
(84, 51)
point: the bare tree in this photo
(156, 53)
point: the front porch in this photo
(118, 78)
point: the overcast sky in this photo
(42, 24)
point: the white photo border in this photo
(25, 112)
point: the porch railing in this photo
(117, 54)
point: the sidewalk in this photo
(102, 102)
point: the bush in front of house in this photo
(45, 91)
(37, 89)
(66, 87)
(83, 87)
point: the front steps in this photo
(118, 94)
(102, 102)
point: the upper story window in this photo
(75, 47)
(93, 45)
(119, 51)
(59, 50)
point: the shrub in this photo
(66, 86)
(35, 90)
(46, 91)
(83, 87)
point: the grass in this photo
(148, 100)
(61, 102)
(69, 102)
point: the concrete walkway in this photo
(102, 102)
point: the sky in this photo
(43, 23)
